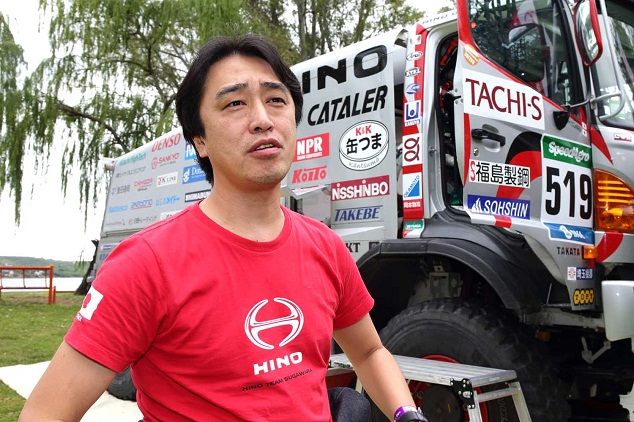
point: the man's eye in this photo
(235, 103)
(278, 100)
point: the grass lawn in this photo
(30, 332)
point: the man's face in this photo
(249, 121)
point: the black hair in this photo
(191, 89)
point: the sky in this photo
(51, 225)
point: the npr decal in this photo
(364, 145)
(499, 207)
(499, 174)
(314, 147)
(361, 188)
(501, 99)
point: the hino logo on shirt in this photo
(253, 327)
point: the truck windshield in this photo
(621, 26)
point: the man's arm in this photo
(67, 389)
(377, 370)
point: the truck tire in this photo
(122, 386)
(464, 332)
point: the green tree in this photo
(110, 83)
(12, 127)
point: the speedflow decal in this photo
(567, 190)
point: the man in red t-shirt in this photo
(226, 310)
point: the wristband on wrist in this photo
(408, 413)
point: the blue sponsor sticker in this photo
(570, 233)
(193, 174)
(413, 190)
(500, 207)
(412, 89)
(190, 151)
(580, 273)
(412, 113)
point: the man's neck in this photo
(255, 216)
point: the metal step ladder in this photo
(463, 379)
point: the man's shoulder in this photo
(168, 227)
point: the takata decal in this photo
(314, 147)
(358, 213)
(567, 189)
(364, 145)
(501, 99)
(499, 174)
(570, 233)
(412, 113)
(361, 188)
(499, 207)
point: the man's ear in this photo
(199, 143)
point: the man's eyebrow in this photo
(243, 85)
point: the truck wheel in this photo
(463, 332)
(122, 386)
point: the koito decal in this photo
(309, 175)
(314, 147)
(361, 188)
(501, 99)
(364, 145)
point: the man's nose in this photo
(260, 119)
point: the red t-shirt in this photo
(218, 327)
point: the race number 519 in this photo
(567, 182)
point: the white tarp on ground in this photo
(22, 379)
